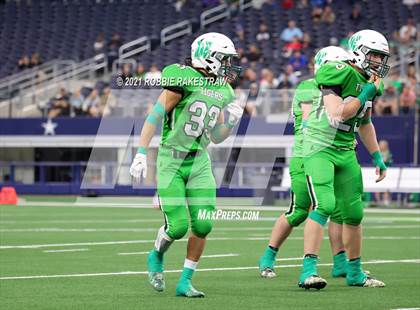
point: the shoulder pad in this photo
(333, 73)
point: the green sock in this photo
(340, 264)
(187, 273)
(309, 266)
(155, 261)
(268, 257)
(355, 274)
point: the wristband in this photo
(368, 91)
(378, 160)
(366, 121)
(142, 150)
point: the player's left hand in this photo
(380, 166)
(235, 113)
(381, 173)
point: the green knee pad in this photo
(201, 228)
(319, 218)
(296, 217)
(353, 214)
(177, 229)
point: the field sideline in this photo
(54, 256)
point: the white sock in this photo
(190, 264)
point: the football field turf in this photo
(54, 256)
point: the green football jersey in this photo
(322, 130)
(305, 92)
(187, 127)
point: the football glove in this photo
(139, 166)
(235, 113)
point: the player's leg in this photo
(321, 190)
(201, 197)
(335, 234)
(350, 185)
(297, 213)
(171, 194)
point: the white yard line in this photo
(134, 253)
(217, 229)
(36, 246)
(104, 204)
(219, 255)
(287, 259)
(66, 250)
(404, 261)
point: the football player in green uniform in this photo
(306, 93)
(332, 171)
(191, 107)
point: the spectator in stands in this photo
(24, 62)
(253, 54)
(126, 71)
(59, 105)
(328, 16)
(99, 44)
(252, 102)
(113, 49)
(302, 4)
(107, 102)
(384, 198)
(316, 14)
(407, 99)
(387, 104)
(239, 37)
(248, 78)
(35, 60)
(91, 105)
(267, 81)
(356, 15)
(263, 33)
(287, 4)
(291, 32)
(306, 41)
(76, 103)
(291, 47)
(153, 74)
(140, 71)
(394, 80)
(344, 41)
(298, 61)
(408, 32)
(412, 75)
(288, 78)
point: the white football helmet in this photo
(330, 53)
(369, 41)
(214, 52)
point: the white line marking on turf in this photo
(220, 229)
(404, 261)
(36, 246)
(219, 255)
(406, 309)
(66, 250)
(287, 259)
(134, 253)
(149, 205)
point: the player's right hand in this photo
(375, 80)
(139, 166)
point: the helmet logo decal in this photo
(353, 42)
(202, 49)
(319, 57)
